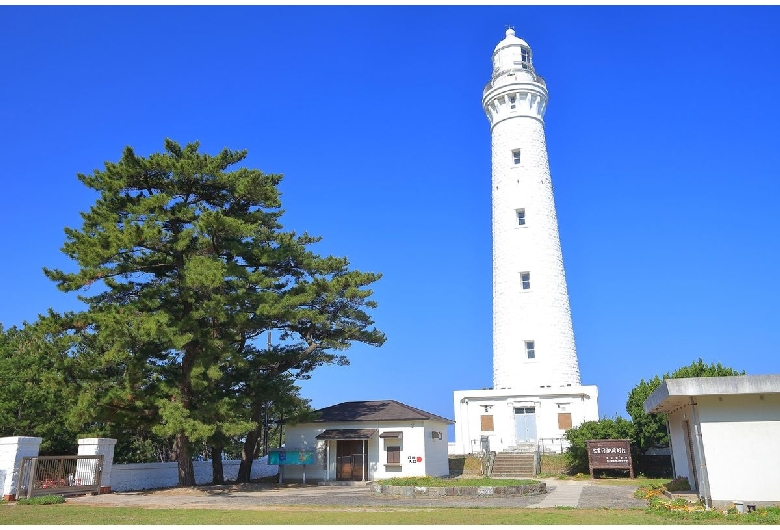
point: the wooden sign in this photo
(610, 454)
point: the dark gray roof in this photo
(387, 410)
(346, 434)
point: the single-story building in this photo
(724, 434)
(369, 440)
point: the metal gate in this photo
(59, 475)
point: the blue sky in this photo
(662, 132)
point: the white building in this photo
(724, 434)
(536, 393)
(369, 440)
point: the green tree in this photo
(576, 455)
(36, 390)
(650, 429)
(193, 266)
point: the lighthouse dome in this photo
(512, 55)
(511, 39)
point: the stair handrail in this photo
(487, 463)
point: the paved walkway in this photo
(561, 493)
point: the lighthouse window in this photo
(525, 278)
(530, 350)
(512, 100)
(516, 156)
(521, 217)
(525, 56)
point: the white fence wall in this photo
(133, 477)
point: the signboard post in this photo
(610, 454)
(295, 457)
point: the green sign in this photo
(286, 457)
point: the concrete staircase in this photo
(514, 464)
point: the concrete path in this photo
(561, 493)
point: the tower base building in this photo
(536, 394)
(520, 419)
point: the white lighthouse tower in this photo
(533, 341)
(536, 392)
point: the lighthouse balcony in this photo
(511, 77)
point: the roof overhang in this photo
(346, 434)
(391, 434)
(672, 394)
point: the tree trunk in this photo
(248, 455)
(217, 472)
(186, 471)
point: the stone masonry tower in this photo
(533, 340)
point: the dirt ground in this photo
(266, 496)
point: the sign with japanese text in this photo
(610, 454)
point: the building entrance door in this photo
(525, 424)
(351, 459)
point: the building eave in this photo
(672, 394)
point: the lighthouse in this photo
(533, 341)
(536, 393)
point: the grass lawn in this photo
(62, 514)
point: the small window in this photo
(525, 279)
(530, 349)
(512, 101)
(486, 422)
(393, 454)
(516, 156)
(525, 56)
(564, 420)
(521, 217)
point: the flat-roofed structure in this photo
(724, 434)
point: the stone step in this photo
(513, 464)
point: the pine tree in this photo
(192, 266)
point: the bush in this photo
(678, 484)
(605, 429)
(648, 492)
(43, 499)
(553, 464)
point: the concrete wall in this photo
(469, 405)
(117, 477)
(12, 450)
(739, 435)
(416, 441)
(99, 446)
(436, 457)
(134, 477)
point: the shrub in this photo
(604, 429)
(43, 499)
(648, 492)
(678, 484)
